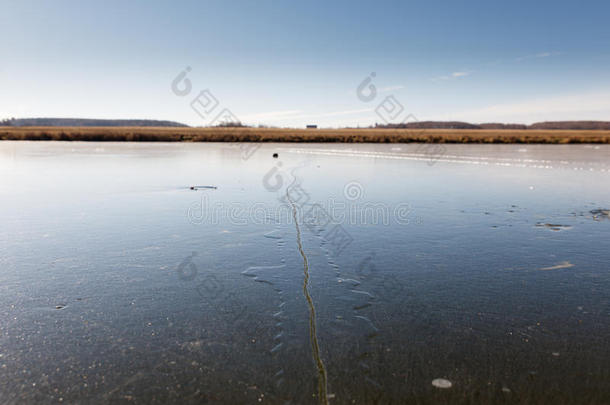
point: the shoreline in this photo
(356, 135)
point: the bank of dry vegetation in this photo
(244, 134)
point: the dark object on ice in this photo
(275, 155)
(553, 227)
(312, 126)
(600, 214)
(203, 187)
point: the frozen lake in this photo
(484, 265)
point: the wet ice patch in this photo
(562, 265)
(553, 227)
(275, 234)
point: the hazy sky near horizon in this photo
(289, 63)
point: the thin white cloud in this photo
(454, 75)
(295, 115)
(270, 115)
(537, 56)
(457, 75)
(344, 112)
(12, 110)
(584, 106)
(331, 114)
(391, 88)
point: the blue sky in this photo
(289, 63)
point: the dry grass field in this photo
(368, 135)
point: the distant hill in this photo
(86, 122)
(431, 125)
(565, 125)
(582, 125)
(502, 126)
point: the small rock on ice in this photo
(441, 383)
